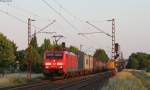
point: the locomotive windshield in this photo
(54, 56)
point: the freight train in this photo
(68, 64)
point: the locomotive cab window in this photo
(54, 56)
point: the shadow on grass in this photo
(145, 79)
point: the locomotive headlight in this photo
(47, 64)
(61, 66)
(59, 63)
(46, 67)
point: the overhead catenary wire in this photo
(19, 19)
(97, 28)
(22, 10)
(75, 17)
(58, 13)
(101, 31)
(68, 34)
(68, 22)
(46, 26)
(67, 11)
(89, 33)
(63, 17)
(13, 16)
(22, 21)
(27, 11)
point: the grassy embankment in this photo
(12, 81)
(144, 77)
(17, 79)
(129, 80)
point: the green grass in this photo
(17, 79)
(124, 81)
(144, 77)
(12, 81)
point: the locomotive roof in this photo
(66, 52)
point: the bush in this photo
(17, 81)
(124, 81)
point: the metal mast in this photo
(29, 31)
(29, 49)
(113, 38)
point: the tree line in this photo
(139, 60)
(10, 57)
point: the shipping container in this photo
(88, 62)
(85, 62)
(80, 56)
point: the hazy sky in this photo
(132, 22)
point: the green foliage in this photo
(33, 53)
(124, 81)
(33, 42)
(144, 77)
(139, 61)
(17, 80)
(21, 56)
(73, 49)
(34, 56)
(133, 63)
(7, 52)
(45, 46)
(100, 54)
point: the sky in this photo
(132, 19)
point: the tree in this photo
(34, 56)
(21, 56)
(139, 60)
(133, 62)
(73, 49)
(7, 52)
(45, 46)
(33, 42)
(36, 60)
(100, 54)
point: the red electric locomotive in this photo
(59, 63)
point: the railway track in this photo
(76, 85)
(79, 85)
(65, 84)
